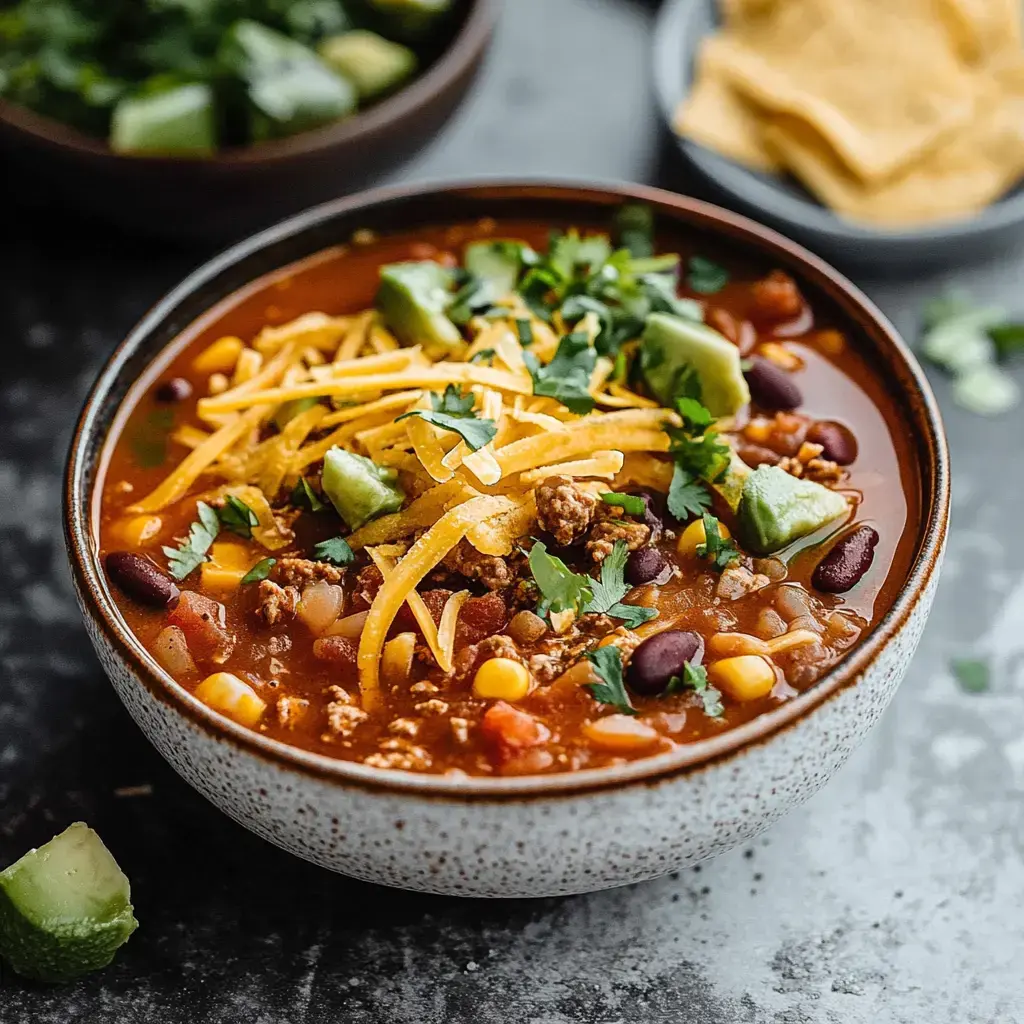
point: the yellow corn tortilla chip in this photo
(984, 28)
(880, 80)
(962, 176)
(717, 116)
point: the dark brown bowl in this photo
(240, 190)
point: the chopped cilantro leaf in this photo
(192, 552)
(609, 590)
(631, 504)
(686, 496)
(695, 677)
(634, 225)
(695, 415)
(971, 673)
(567, 377)
(607, 662)
(561, 589)
(454, 411)
(705, 276)
(704, 457)
(336, 551)
(303, 496)
(260, 571)
(236, 516)
(524, 330)
(716, 548)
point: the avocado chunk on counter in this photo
(670, 346)
(373, 64)
(413, 298)
(776, 509)
(178, 121)
(358, 488)
(65, 909)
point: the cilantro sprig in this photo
(260, 571)
(609, 590)
(718, 550)
(236, 516)
(705, 276)
(695, 678)
(607, 662)
(304, 497)
(561, 589)
(700, 456)
(336, 551)
(567, 377)
(454, 411)
(192, 551)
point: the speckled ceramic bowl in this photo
(527, 836)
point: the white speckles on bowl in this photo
(544, 835)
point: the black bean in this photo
(847, 561)
(646, 565)
(770, 387)
(661, 657)
(140, 579)
(839, 443)
(177, 389)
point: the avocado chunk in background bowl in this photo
(373, 64)
(65, 908)
(777, 509)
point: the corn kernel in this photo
(743, 678)
(226, 693)
(229, 562)
(137, 531)
(220, 357)
(501, 679)
(620, 733)
(781, 356)
(694, 534)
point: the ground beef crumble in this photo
(608, 532)
(297, 572)
(275, 603)
(564, 509)
(494, 572)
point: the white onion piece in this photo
(320, 605)
(170, 648)
(350, 627)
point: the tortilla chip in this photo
(984, 28)
(735, 11)
(882, 82)
(962, 176)
(717, 116)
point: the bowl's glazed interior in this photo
(153, 343)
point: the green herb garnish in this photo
(609, 590)
(193, 550)
(971, 673)
(567, 377)
(607, 662)
(260, 571)
(631, 504)
(236, 516)
(695, 677)
(336, 551)
(524, 331)
(635, 227)
(705, 276)
(719, 551)
(687, 497)
(303, 496)
(454, 411)
(561, 589)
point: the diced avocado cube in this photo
(777, 508)
(373, 64)
(498, 263)
(411, 19)
(413, 298)
(65, 909)
(290, 88)
(178, 121)
(358, 488)
(671, 345)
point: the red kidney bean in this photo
(839, 443)
(771, 387)
(847, 561)
(141, 580)
(646, 565)
(660, 657)
(177, 389)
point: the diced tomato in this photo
(507, 731)
(480, 618)
(201, 619)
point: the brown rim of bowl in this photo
(78, 508)
(466, 48)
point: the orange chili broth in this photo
(836, 385)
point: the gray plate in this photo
(681, 26)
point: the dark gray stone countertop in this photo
(895, 895)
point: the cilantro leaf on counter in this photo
(705, 276)
(567, 377)
(607, 662)
(561, 589)
(454, 411)
(687, 497)
(336, 551)
(260, 571)
(303, 496)
(695, 677)
(718, 550)
(192, 551)
(236, 516)
(609, 590)
(631, 504)
(971, 673)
